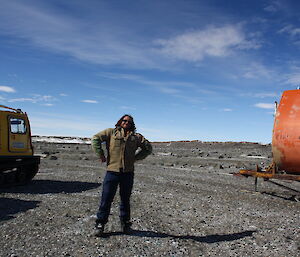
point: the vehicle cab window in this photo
(17, 125)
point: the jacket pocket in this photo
(116, 141)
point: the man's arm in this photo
(98, 139)
(146, 148)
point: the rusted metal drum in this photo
(286, 133)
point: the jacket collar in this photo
(123, 131)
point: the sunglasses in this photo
(125, 121)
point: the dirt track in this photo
(185, 203)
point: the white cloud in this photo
(196, 45)
(90, 101)
(265, 105)
(226, 110)
(7, 89)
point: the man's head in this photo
(126, 122)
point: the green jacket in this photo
(121, 150)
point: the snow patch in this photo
(61, 140)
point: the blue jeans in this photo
(109, 188)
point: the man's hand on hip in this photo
(102, 158)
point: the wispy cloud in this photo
(7, 89)
(143, 80)
(266, 94)
(124, 107)
(168, 87)
(22, 99)
(265, 105)
(291, 30)
(260, 94)
(110, 75)
(169, 90)
(196, 45)
(90, 101)
(257, 70)
(293, 79)
(273, 7)
(93, 41)
(43, 26)
(175, 89)
(226, 110)
(44, 99)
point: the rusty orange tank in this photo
(286, 133)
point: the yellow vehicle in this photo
(18, 165)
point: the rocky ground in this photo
(185, 202)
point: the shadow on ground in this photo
(203, 239)
(51, 186)
(294, 198)
(11, 206)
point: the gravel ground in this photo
(185, 202)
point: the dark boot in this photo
(126, 226)
(99, 228)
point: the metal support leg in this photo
(255, 184)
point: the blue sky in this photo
(186, 70)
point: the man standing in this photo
(121, 145)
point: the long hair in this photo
(132, 127)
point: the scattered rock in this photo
(197, 210)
